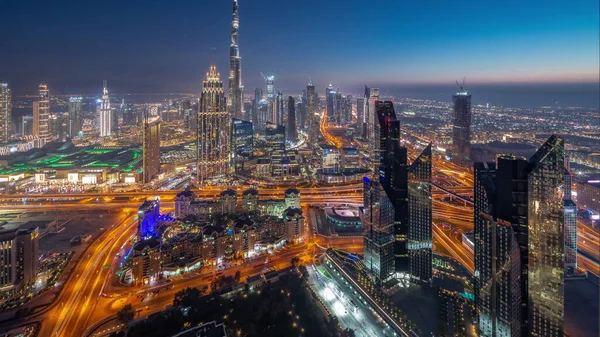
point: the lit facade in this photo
(546, 240)
(18, 258)
(570, 226)
(275, 137)
(461, 127)
(148, 214)
(106, 122)
(151, 148)
(75, 117)
(420, 219)
(312, 113)
(235, 96)
(213, 129)
(292, 133)
(41, 115)
(5, 113)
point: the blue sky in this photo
(160, 46)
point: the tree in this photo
(238, 276)
(126, 315)
(187, 297)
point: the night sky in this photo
(153, 46)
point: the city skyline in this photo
(513, 44)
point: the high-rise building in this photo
(275, 137)
(151, 148)
(106, 117)
(148, 214)
(270, 83)
(278, 109)
(371, 96)
(292, 133)
(41, 115)
(420, 219)
(546, 239)
(235, 94)
(330, 101)
(519, 246)
(461, 127)
(75, 117)
(346, 110)
(130, 116)
(312, 113)
(243, 138)
(570, 226)
(18, 258)
(5, 113)
(360, 114)
(27, 125)
(213, 129)
(258, 96)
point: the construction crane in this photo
(461, 85)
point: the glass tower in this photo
(461, 127)
(5, 113)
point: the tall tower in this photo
(105, 114)
(5, 113)
(570, 226)
(213, 129)
(41, 115)
(151, 147)
(546, 240)
(461, 126)
(235, 96)
(312, 118)
(291, 120)
(74, 123)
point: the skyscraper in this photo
(371, 96)
(5, 113)
(274, 137)
(330, 101)
(270, 83)
(243, 138)
(213, 129)
(106, 123)
(519, 246)
(41, 115)
(292, 134)
(18, 258)
(258, 96)
(74, 122)
(235, 95)
(278, 109)
(461, 127)
(360, 114)
(419, 218)
(546, 239)
(570, 226)
(312, 117)
(151, 147)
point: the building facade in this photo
(292, 132)
(106, 118)
(18, 258)
(75, 116)
(41, 115)
(5, 113)
(461, 127)
(213, 129)
(151, 148)
(235, 94)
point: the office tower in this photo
(292, 134)
(570, 226)
(312, 113)
(371, 96)
(26, 125)
(546, 239)
(501, 246)
(243, 138)
(301, 111)
(419, 218)
(262, 116)
(330, 101)
(130, 118)
(270, 83)
(75, 117)
(360, 116)
(5, 113)
(213, 129)
(378, 217)
(278, 109)
(41, 114)
(338, 108)
(151, 148)
(59, 126)
(461, 127)
(235, 96)
(275, 137)
(519, 247)
(248, 110)
(18, 258)
(346, 113)
(258, 96)
(106, 123)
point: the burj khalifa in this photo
(235, 97)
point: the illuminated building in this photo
(419, 219)
(346, 111)
(338, 108)
(361, 115)
(294, 223)
(258, 96)
(151, 148)
(270, 81)
(228, 201)
(243, 139)
(183, 202)
(75, 117)
(146, 261)
(330, 101)
(351, 158)
(588, 195)
(371, 96)
(278, 109)
(461, 127)
(546, 239)
(250, 201)
(18, 258)
(41, 114)
(235, 96)
(301, 111)
(312, 118)
(570, 226)
(148, 214)
(27, 125)
(292, 133)
(331, 158)
(5, 113)
(275, 137)
(106, 122)
(130, 116)
(213, 129)
(501, 246)
(292, 198)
